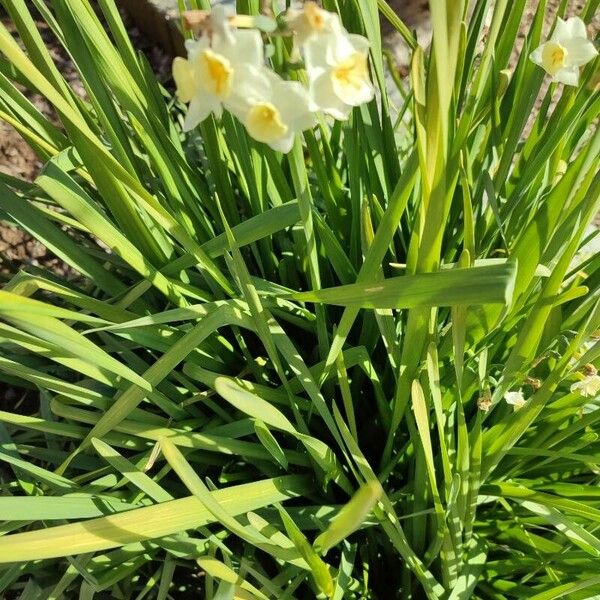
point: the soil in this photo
(17, 159)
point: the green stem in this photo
(305, 201)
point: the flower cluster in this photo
(226, 68)
(565, 52)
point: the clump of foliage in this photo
(284, 375)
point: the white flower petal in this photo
(194, 47)
(359, 42)
(190, 45)
(536, 55)
(215, 73)
(274, 78)
(250, 85)
(338, 70)
(350, 80)
(588, 387)
(293, 17)
(248, 47)
(219, 20)
(185, 82)
(283, 144)
(356, 95)
(561, 31)
(200, 107)
(515, 399)
(310, 22)
(264, 123)
(272, 109)
(341, 46)
(574, 27)
(580, 51)
(317, 53)
(323, 97)
(217, 109)
(302, 33)
(335, 24)
(293, 103)
(568, 76)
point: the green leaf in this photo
(350, 517)
(267, 439)
(571, 530)
(319, 569)
(252, 405)
(146, 523)
(461, 287)
(215, 568)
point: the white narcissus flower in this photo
(273, 110)
(589, 386)
(207, 78)
(338, 70)
(515, 399)
(566, 51)
(310, 21)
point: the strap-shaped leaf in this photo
(478, 285)
(145, 523)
